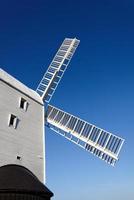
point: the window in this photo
(18, 157)
(13, 120)
(23, 104)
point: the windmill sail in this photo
(97, 141)
(55, 71)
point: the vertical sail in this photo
(56, 69)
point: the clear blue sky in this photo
(98, 85)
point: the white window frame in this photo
(24, 102)
(15, 121)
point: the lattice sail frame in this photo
(56, 69)
(97, 141)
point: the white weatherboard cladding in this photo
(27, 140)
(19, 86)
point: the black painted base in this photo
(18, 183)
(16, 196)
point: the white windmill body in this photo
(22, 136)
(21, 126)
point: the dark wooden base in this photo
(18, 183)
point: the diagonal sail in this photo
(95, 140)
(55, 71)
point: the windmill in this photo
(21, 107)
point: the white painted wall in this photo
(27, 140)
